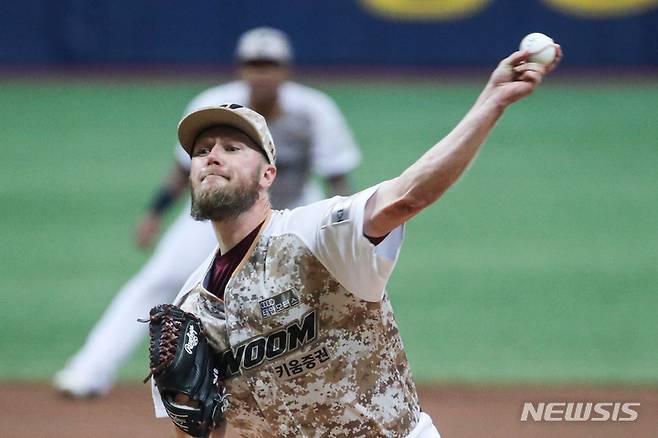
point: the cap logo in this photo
(231, 106)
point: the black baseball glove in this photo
(184, 369)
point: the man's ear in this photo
(267, 175)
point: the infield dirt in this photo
(34, 410)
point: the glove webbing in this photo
(166, 318)
(166, 351)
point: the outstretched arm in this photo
(399, 199)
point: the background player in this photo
(312, 138)
(294, 302)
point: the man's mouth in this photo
(214, 175)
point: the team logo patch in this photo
(278, 303)
(340, 213)
(254, 352)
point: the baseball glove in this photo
(184, 369)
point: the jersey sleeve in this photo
(334, 151)
(333, 231)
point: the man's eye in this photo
(231, 148)
(202, 151)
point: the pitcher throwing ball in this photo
(293, 303)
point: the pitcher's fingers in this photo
(516, 58)
(530, 66)
(556, 61)
(531, 76)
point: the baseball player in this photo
(312, 138)
(293, 302)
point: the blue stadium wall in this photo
(339, 32)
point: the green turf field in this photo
(541, 265)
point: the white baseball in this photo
(540, 47)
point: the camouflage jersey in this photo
(307, 340)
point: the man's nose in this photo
(216, 155)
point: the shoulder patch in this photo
(340, 213)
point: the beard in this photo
(223, 203)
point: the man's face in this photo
(226, 174)
(263, 77)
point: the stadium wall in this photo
(425, 33)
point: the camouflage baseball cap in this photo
(236, 116)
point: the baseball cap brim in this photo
(192, 125)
